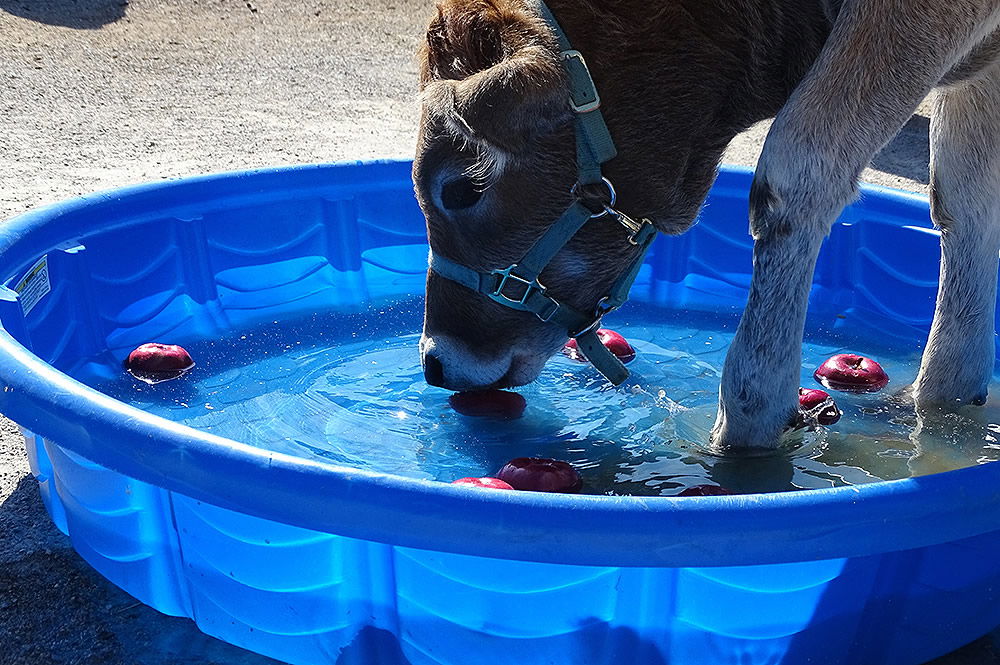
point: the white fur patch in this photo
(491, 161)
(462, 368)
(465, 370)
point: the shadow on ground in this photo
(909, 153)
(79, 14)
(54, 608)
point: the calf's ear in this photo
(491, 73)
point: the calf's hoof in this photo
(743, 434)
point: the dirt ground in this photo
(96, 94)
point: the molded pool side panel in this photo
(123, 528)
(198, 275)
(296, 594)
(61, 324)
(953, 588)
(41, 470)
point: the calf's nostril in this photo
(433, 371)
(459, 193)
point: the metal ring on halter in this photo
(600, 306)
(599, 312)
(608, 207)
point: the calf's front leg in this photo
(758, 396)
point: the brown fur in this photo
(692, 70)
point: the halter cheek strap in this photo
(517, 285)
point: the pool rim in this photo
(592, 530)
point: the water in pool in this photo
(348, 389)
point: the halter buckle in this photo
(506, 276)
(583, 97)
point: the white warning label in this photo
(34, 285)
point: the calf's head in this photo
(495, 165)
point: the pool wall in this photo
(863, 576)
(308, 597)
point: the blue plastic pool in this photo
(309, 562)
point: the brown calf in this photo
(678, 79)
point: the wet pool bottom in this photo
(348, 388)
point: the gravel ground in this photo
(96, 94)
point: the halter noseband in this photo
(517, 285)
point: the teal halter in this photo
(517, 285)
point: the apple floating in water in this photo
(705, 490)
(490, 483)
(851, 373)
(614, 342)
(540, 474)
(153, 362)
(818, 404)
(498, 404)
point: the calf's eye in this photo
(459, 193)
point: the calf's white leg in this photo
(965, 205)
(760, 377)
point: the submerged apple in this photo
(490, 483)
(614, 342)
(153, 362)
(705, 490)
(499, 404)
(539, 474)
(851, 373)
(819, 405)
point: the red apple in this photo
(852, 373)
(705, 490)
(499, 404)
(491, 483)
(818, 404)
(154, 362)
(615, 343)
(539, 474)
